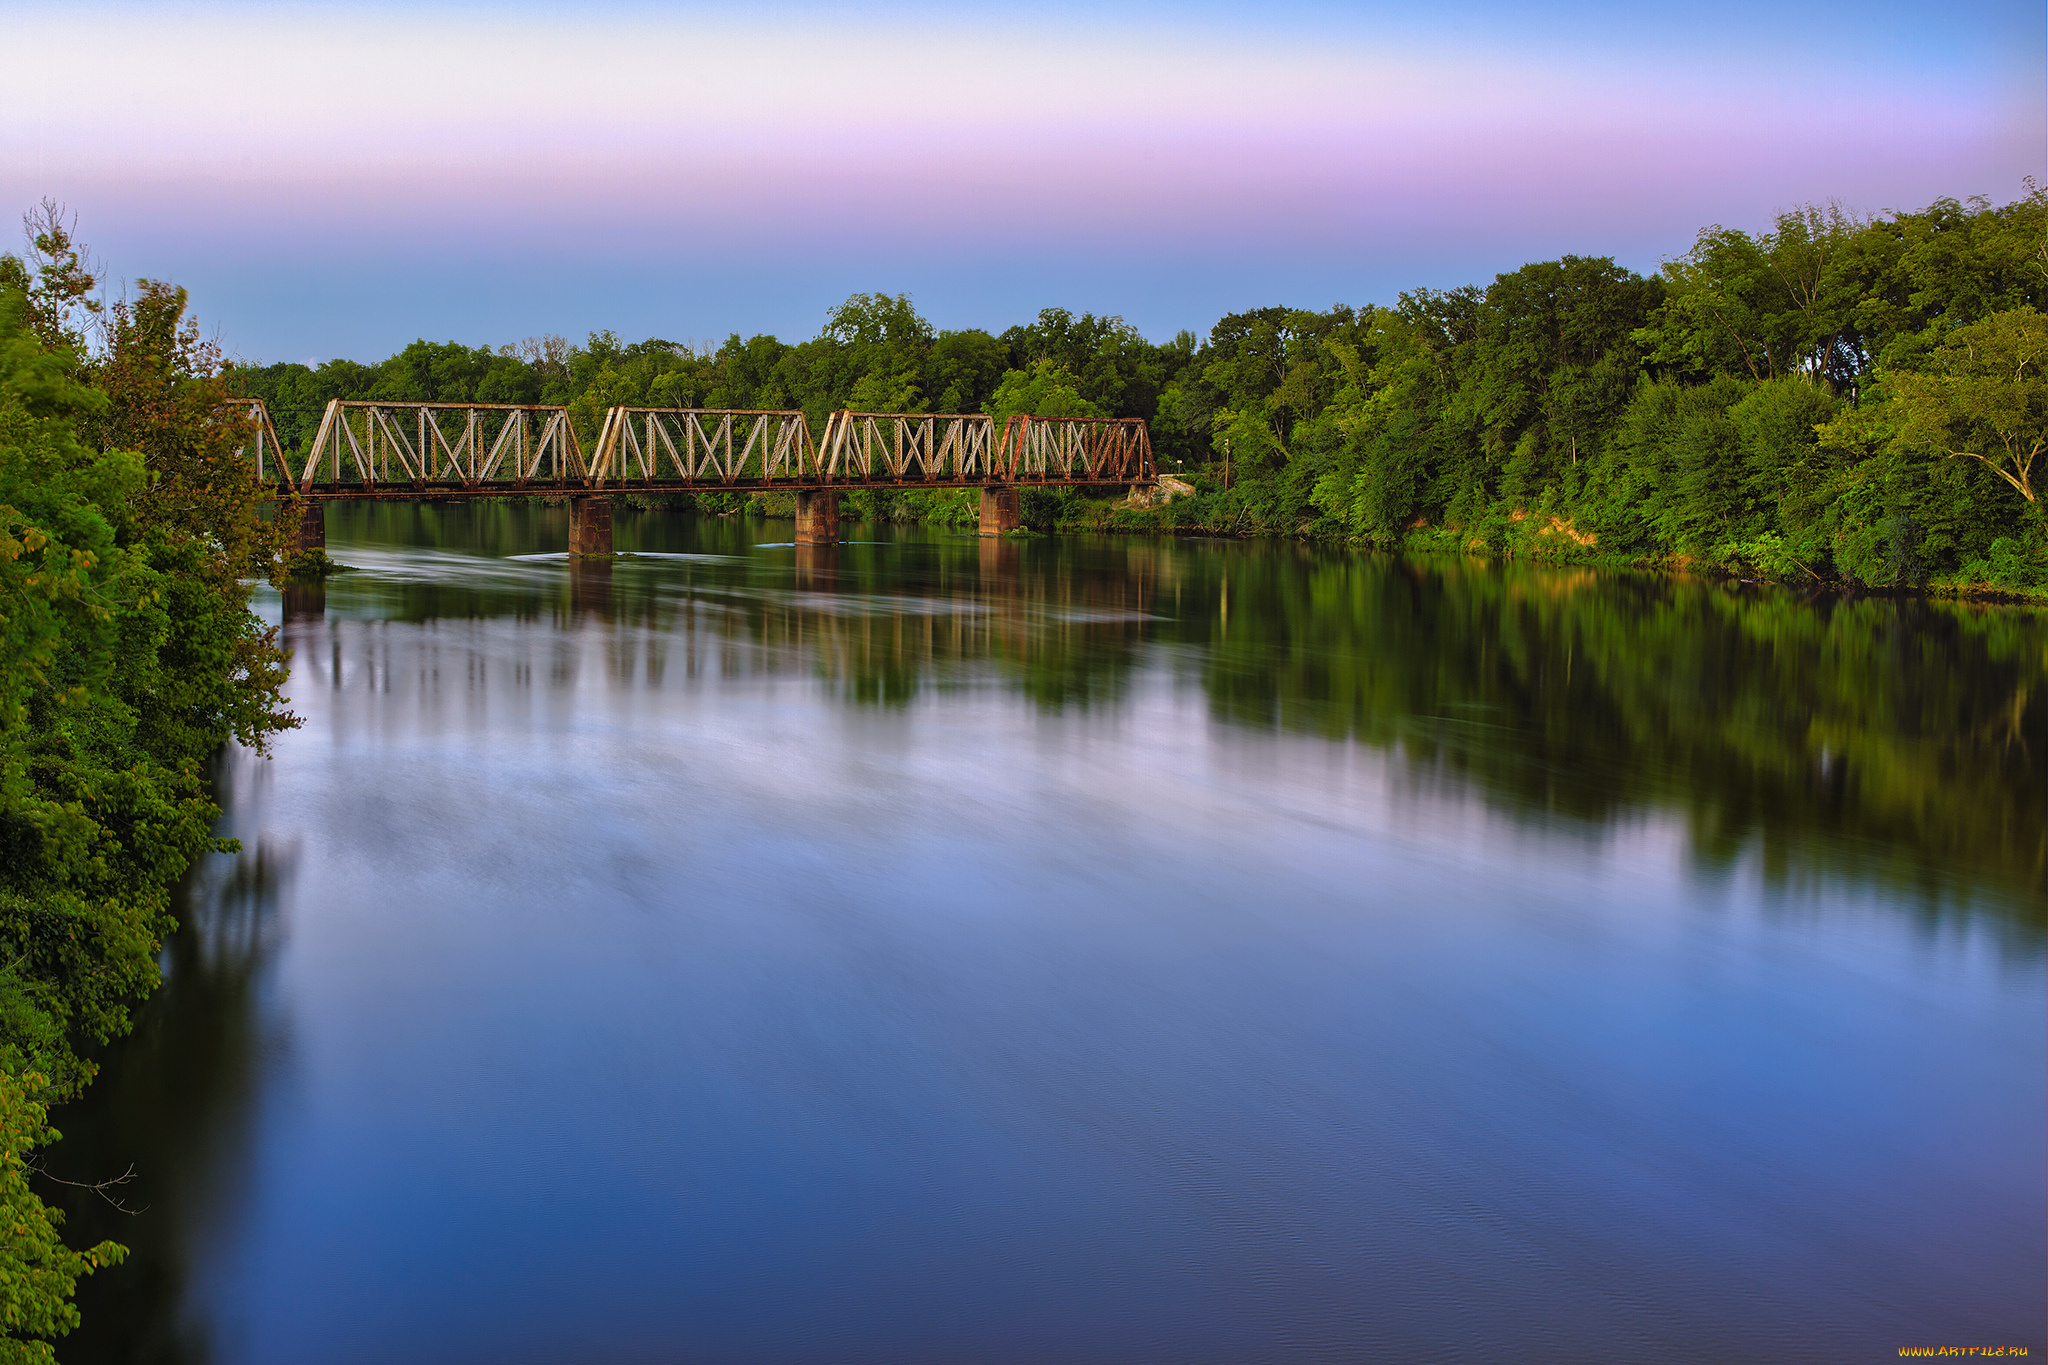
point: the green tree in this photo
(100, 811)
(57, 281)
(1983, 395)
(128, 656)
(962, 369)
(1044, 390)
(1778, 303)
(38, 1272)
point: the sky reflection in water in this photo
(1074, 950)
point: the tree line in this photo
(1843, 398)
(128, 657)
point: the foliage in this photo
(1044, 390)
(128, 655)
(38, 1273)
(1983, 395)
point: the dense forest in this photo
(1840, 398)
(128, 656)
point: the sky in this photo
(339, 179)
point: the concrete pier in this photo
(817, 517)
(998, 510)
(590, 527)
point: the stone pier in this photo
(817, 516)
(311, 541)
(590, 527)
(998, 510)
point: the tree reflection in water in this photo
(1894, 739)
(174, 1102)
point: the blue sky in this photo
(336, 180)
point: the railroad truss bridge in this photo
(373, 449)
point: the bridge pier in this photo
(311, 539)
(590, 527)
(998, 509)
(817, 516)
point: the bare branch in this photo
(99, 1189)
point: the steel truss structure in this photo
(262, 438)
(1075, 450)
(407, 448)
(776, 447)
(892, 448)
(372, 448)
(883, 449)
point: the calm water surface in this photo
(1075, 950)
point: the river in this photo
(1080, 950)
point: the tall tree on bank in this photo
(128, 656)
(1983, 395)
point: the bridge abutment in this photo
(999, 509)
(817, 516)
(590, 527)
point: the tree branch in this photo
(2022, 483)
(99, 1189)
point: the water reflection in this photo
(817, 567)
(304, 600)
(1896, 741)
(927, 944)
(174, 1103)
(1870, 738)
(590, 588)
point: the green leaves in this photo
(1779, 303)
(1983, 395)
(38, 1273)
(128, 656)
(1046, 389)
